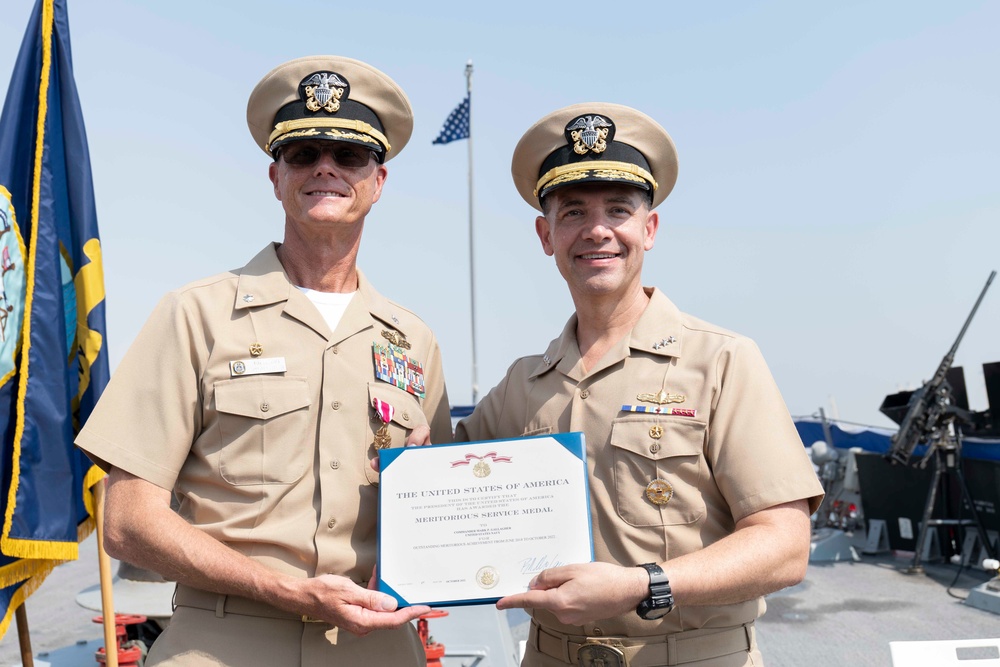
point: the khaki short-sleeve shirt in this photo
(269, 453)
(680, 411)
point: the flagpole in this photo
(472, 263)
(106, 579)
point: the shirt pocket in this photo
(676, 457)
(264, 425)
(406, 415)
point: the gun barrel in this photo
(968, 320)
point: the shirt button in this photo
(653, 448)
(406, 416)
(331, 523)
(336, 350)
(336, 405)
(598, 632)
(585, 393)
(264, 407)
(335, 464)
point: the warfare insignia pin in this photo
(659, 491)
(396, 338)
(323, 90)
(656, 431)
(661, 398)
(256, 349)
(590, 134)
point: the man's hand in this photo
(419, 436)
(583, 593)
(140, 527)
(341, 602)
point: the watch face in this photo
(653, 614)
(649, 610)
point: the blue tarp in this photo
(877, 440)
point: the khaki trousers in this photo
(200, 638)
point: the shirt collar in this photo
(263, 282)
(659, 331)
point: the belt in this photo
(671, 649)
(185, 596)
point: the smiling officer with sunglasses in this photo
(258, 397)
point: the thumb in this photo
(379, 601)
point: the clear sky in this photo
(838, 198)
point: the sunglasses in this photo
(302, 154)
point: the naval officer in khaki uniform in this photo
(259, 395)
(700, 488)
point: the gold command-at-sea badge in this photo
(487, 577)
(659, 491)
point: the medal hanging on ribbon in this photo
(384, 412)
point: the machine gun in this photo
(931, 410)
(930, 418)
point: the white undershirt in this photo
(331, 305)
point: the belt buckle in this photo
(598, 654)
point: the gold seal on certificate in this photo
(469, 523)
(487, 576)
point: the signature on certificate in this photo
(533, 564)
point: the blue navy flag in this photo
(457, 125)
(53, 357)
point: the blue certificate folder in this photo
(469, 523)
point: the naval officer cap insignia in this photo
(594, 142)
(330, 98)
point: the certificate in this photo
(470, 523)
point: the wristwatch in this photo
(660, 601)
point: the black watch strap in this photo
(661, 600)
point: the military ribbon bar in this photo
(660, 410)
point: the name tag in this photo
(256, 366)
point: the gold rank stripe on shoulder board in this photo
(256, 366)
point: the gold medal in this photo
(481, 469)
(382, 437)
(659, 491)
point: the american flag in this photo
(457, 125)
